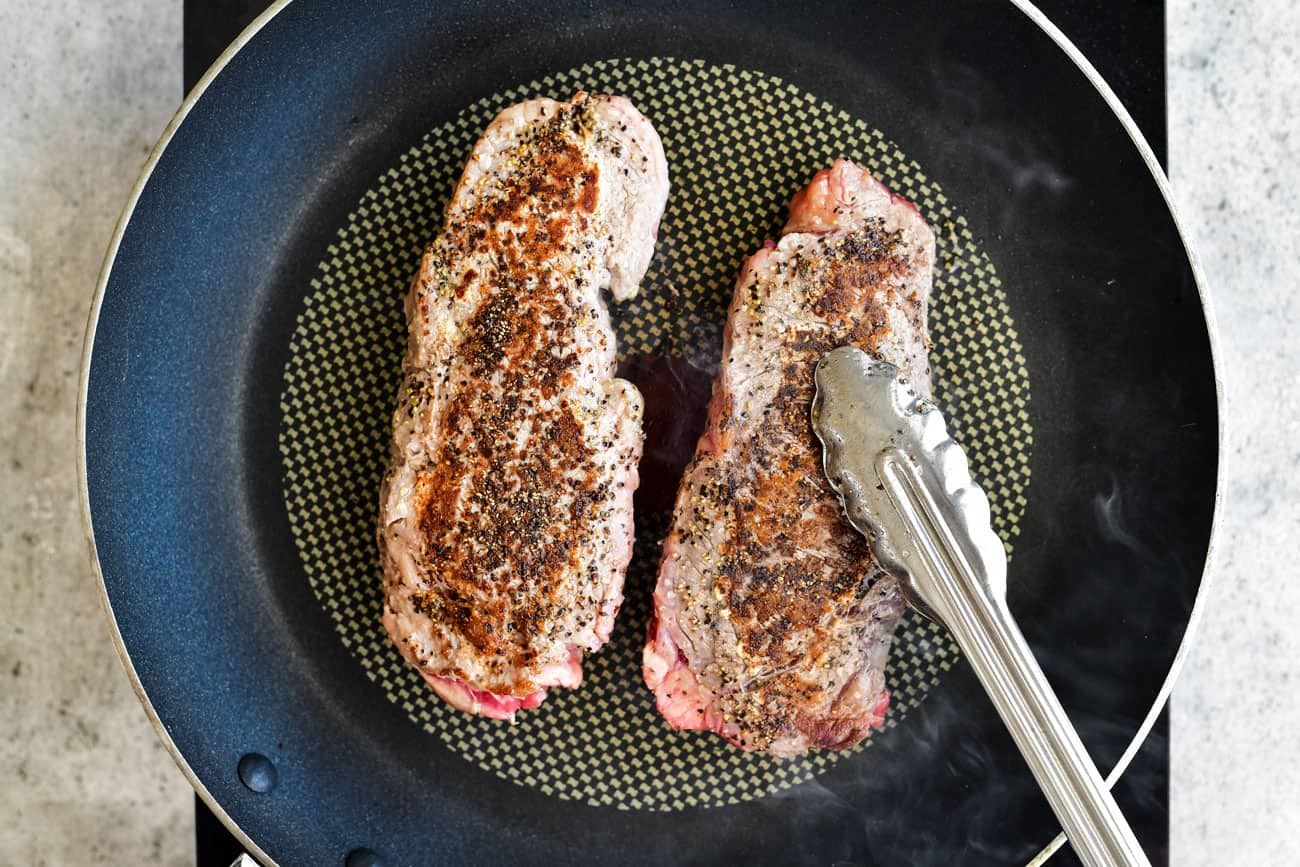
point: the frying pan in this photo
(239, 666)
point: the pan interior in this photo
(739, 143)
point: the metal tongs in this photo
(906, 486)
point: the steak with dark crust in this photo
(772, 620)
(506, 514)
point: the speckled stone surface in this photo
(1234, 152)
(84, 91)
(85, 88)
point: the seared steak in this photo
(772, 620)
(506, 514)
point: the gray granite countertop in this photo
(1234, 152)
(87, 87)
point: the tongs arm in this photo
(988, 636)
(906, 486)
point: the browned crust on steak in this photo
(513, 441)
(778, 608)
(514, 495)
(779, 507)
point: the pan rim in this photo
(1026, 7)
(87, 350)
(1072, 51)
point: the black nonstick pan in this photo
(242, 358)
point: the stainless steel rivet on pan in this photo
(257, 773)
(362, 858)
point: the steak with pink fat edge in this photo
(505, 521)
(772, 621)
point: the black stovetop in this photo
(1124, 39)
